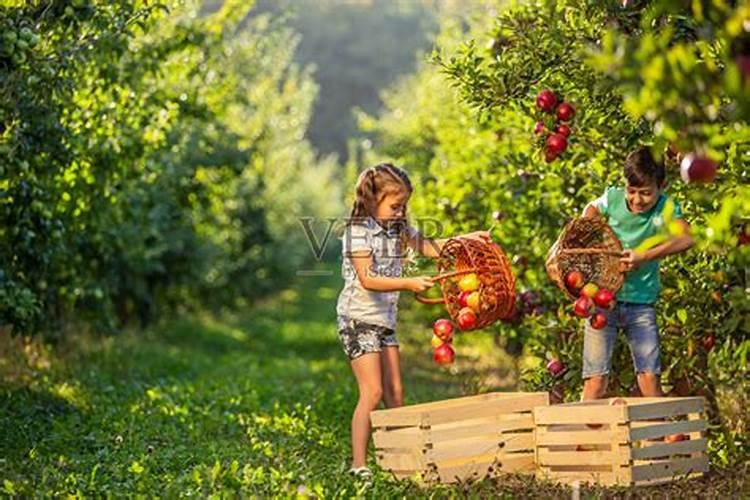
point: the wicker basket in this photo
(497, 285)
(590, 246)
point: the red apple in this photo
(598, 321)
(583, 307)
(604, 298)
(467, 319)
(538, 128)
(546, 100)
(443, 329)
(555, 367)
(618, 401)
(444, 354)
(566, 112)
(589, 290)
(674, 438)
(708, 342)
(462, 298)
(574, 280)
(697, 168)
(549, 155)
(743, 238)
(563, 130)
(557, 143)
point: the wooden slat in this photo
(388, 418)
(468, 448)
(664, 429)
(401, 461)
(569, 477)
(667, 408)
(671, 469)
(490, 426)
(487, 408)
(461, 408)
(487, 466)
(604, 457)
(598, 414)
(547, 438)
(480, 446)
(401, 438)
(665, 480)
(666, 449)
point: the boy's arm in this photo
(432, 247)
(591, 210)
(675, 245)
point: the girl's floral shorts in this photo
(358, 337)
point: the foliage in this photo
(142, 147)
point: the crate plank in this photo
(671, 469)
(401, 438)
(661, 429)
(547, 438)
(401, 461)
(666, 449)
(599, 457)
(595, 414)
(485, 409)
(480, 446)
(494, 425)
(602, 478)
(666, 408)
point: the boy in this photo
(631, 212)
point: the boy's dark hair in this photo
(641, 169)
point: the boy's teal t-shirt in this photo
(642, 284)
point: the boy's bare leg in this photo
(595, 387)
(650, 384)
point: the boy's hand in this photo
(479, 236)
(420, 284)
(631, 259)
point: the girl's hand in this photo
(631, 259)
(479, 236)
(420, 284)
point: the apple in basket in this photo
(598, 321)
(443, 329)
(437, 342)
(468, 283)
(589, 290)
(574, 280)
(444, 354)
(583, 307)
(604, 298)
(467, 319)
(472, 300)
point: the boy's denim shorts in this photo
(639, 323)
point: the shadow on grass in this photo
(27, 418)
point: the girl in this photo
(373, 244)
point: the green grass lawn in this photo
(252, 403)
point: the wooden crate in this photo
(621, 444)
(458, 439)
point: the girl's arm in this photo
(362, 261)
(432, 247)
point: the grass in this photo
(255, 403)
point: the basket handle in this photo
(601, 251)
(442, 277)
